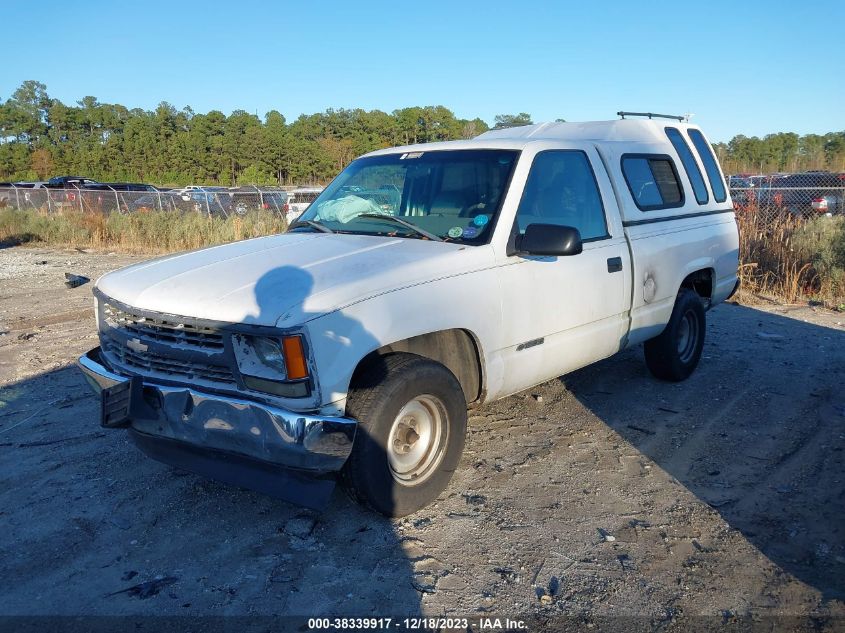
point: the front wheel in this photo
(412, 418)
(675, 353)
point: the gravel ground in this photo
(603, 493)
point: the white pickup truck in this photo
(423, 280)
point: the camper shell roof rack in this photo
(653, 115)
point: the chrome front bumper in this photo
(199, 421)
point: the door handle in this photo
(614, 264)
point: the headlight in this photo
(260, 356)
(272, 364)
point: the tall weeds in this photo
(780, 256)
(152, 232)
(791, 259)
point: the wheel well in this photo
(701, 281)
(455, 349)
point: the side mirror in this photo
(550, 239)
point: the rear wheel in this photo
(411, 416)
(675, 353)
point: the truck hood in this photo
(286, 279)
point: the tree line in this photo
(782, 152)
(42, 137)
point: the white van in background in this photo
(300, 199)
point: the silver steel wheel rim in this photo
(418, 440)
(687, 336)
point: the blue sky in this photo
(750, 68)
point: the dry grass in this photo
(792, 259)
(153, 232)
(782, 257)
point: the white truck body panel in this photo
(285, 280)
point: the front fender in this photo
(343, 338)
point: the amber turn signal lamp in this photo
(297, 368)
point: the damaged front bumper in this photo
(281, 453)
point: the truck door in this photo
(562, 313)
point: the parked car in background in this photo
(763, 180)
(7, 195)
(299, 200)
(275, 201)
(105, 197)
(245, 199)
(739, 181)
(66, 182)
(183, 192)
(209, 200)
(188, 189)
(161, 199)
(805, 194)
(31, 195)
(743, 193)
(64, 191)
(129, 186)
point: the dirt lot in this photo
(604, 493)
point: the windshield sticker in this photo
(411, 155)
(480, 220)
(455, 232)
(470, 232)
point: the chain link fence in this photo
(792, 235)
(104, 199)
(765, 197)
(795, 196)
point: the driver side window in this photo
(561, 189)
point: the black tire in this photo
(378, 394)
(675, 353)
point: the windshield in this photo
(454, 195)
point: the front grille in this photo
(151, 362)
(162, 330)
(164, 346)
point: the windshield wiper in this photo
(406, 224)
(311, 224)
